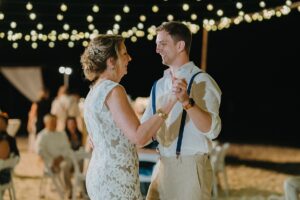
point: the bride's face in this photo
(122, 61)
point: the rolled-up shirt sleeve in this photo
(207, 96)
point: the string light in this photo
(66, 27)
(210, 7)
(288, 3)
(13, 24)
(193, 16)
(95, 8)
(89, 18)
(185, 7)
(32, 16)
(126, 9)
(150, 37)
(51, 44)
(85, 43)
(63, 7)
(59, 17)
(155, 9)
(215, 21)
(118, 18)
(15, 45)
(140, 25)
(262, 4)
(239, 5)
(71, 44)
(116, 26)
(2, 16)
(133, 39)
(143, 18)
(220, 12)
(39, 26)
(91, 27)
(34, 45)
(29, 6)
(170, 17)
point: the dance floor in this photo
(254, 172)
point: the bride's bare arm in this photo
(127, 121)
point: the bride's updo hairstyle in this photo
(95, 55)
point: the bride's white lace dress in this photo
(113, 169)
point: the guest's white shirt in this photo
(206, 95)
(60, 108)
(51, 145)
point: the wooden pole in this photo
(204, 49)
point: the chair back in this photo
(9, 163)
(218, 157)
(78, 158)
(13, 126)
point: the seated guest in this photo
(74, 135)
(8, 147)
(53, 146)
(11, 140)
(4, 147)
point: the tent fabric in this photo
(28, 80)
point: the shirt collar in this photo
(182, 72)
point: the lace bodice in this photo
(113, 169)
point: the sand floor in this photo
(254, 172)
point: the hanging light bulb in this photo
(63, 7)
(32, 16)
(193, 16)
(89, 18)
(95, 8)
(155, 8)
(185, 7)
(118, 18)
(2, 15)
(39, 26)
(143, 18)
(13, 24)
(59, 17)
(29, 6)
(126, 9)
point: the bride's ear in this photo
(111, 63)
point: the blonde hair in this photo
(95, 55)
(48, 117)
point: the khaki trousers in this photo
(185, 178)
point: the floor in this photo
(254, 172)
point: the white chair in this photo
(13, 126)
(56, 180)
(78, 158)
(147, 157)
(218, 165)
(9, 163)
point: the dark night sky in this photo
(254, 64)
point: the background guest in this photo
(74, 135)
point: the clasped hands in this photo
(179, 89)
